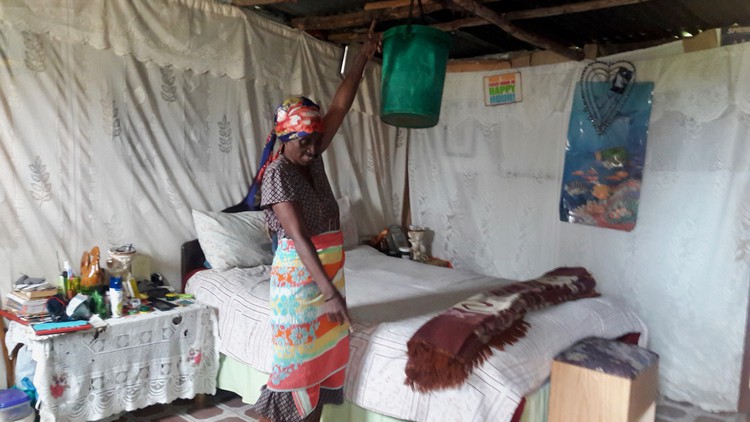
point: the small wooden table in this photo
(600, 380)
(138, 360)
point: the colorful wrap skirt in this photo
(310, 351)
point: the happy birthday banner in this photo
(503, 89)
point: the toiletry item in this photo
(68, 269)
(62, 284)
(73, 287)
(115, 296)
(405, 252)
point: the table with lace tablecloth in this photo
(136, 361)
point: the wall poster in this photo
(503, 89)
(606, 147)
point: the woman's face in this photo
(302, 151)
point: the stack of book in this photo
(29, 306)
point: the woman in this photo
(309, 318)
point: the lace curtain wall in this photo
(119, 117)
(487, 181)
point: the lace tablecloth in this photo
(137, 361)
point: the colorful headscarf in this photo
(295, 118)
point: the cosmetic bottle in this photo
(115, 296)
(68, 269)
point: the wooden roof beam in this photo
(490, 15)
(350, 37)
(348, 20)
(250, 3)
(389, 4)
(461, 23)
(585, 6)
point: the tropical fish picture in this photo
(601, 180)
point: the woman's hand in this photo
(344, 97)
(373, 44)
(335, 308)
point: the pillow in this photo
(348, 224)
(233, 240)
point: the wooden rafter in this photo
(250, 3)
(460, 23)
(390, 4)
(490, 15)
(565, 9)
(348, 20)
(386, 10)
(350, 37)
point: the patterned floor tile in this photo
(674, 411)
(228, 407)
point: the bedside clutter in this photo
(438, 262)
(600, 380)
(15, 405)
(138, 360)
(393, 242)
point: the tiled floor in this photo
(228, 407)
(672, 411)
(223, 407)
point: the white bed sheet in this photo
(389, 299)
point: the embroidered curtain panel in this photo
(119, 117)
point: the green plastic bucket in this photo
(414, 60)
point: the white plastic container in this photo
(14, 405)
(115, 296)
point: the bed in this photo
(389, 299)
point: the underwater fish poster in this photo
(606, 150)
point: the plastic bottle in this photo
(97, 304)
(62, 284)
(68, 269)
(115, 296)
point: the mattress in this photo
(389, 299)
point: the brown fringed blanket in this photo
(444, 351)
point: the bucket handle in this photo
(421, 14)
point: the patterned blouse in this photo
(284, 181)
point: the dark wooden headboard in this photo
(192, 257)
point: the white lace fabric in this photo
(115, 123)
(487, 181)
(151, 109)
(202, 36)
(137, 361)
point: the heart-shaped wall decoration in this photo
(605, 87)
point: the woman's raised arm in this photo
(347, 90)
